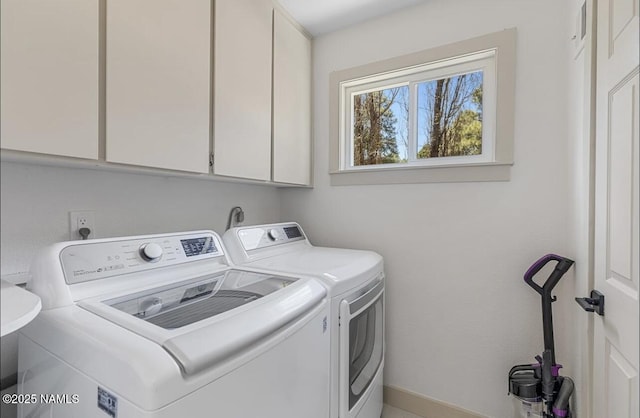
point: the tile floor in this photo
(392, 412)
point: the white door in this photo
(615, 385)
(361, 351)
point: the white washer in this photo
(161, 326)
(355, 281)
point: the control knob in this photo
(151, 252)
(273, 234)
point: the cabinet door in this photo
(242, 88)
(291, 103)
(158, 83)
(49, 82)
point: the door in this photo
(615, 384)
(361, 347)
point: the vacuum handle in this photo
(564, 264)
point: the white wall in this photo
(36, 200)
(458, 313)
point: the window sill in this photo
(414, 175)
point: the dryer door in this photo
(361, 346)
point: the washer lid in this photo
(205, 320)
(180, 304)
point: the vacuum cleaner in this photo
(538, 388)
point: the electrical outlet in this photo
(82, 219)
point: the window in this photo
(431, 114)
(444, 114)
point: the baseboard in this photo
(423, 406)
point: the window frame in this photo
(495, 50)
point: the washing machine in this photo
(163, 326)
(355, 282)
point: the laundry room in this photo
(336, 209)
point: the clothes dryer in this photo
(355, 282)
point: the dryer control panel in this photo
(85, 261)
(269, 235)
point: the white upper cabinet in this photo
(49, 82)
(242, 88)
(158, 76)
(159, 83)
(291, 103)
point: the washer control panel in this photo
(83, 262)
(151, 252)
(267, 236)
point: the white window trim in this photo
(492, 165)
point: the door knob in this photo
(595, 303)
